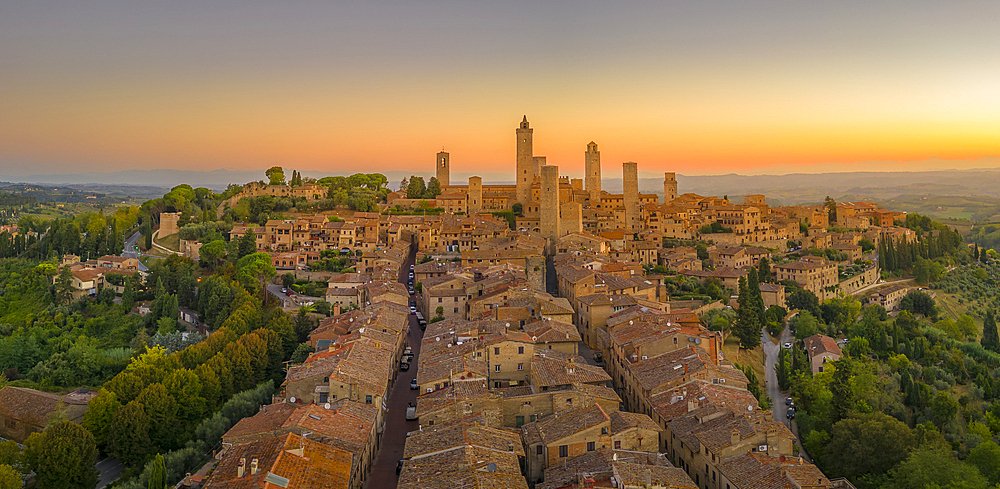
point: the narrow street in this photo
(383, 472)
(771, 352)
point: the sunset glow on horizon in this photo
(709, 87)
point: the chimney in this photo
(735, 437)
(253, 467)
(336, 309)
(241, 467)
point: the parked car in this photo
(787, 345)
(413, 309)
(788, 401)
(790, 414)
(404, 366)
(413, 385)
(411, 413)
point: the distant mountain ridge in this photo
(793, 188)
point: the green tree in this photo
(64, 286)
(439, 311)
(831, 208)
(275, 175)
(433, 188)
(764, 270)
(990, 340)
(935, 467)
(747, 326)
(128, 437)
(943, 408)
(100, 413)
(254, 271)
(986, 458)
(845, 399)
(158, 474)
(804, 300)
(63, 456)
(867, 444)
(128, 295)
(416, 188)
(303, 324)
(248, 244)
(213, 252)
(9, 478)
(805, 325)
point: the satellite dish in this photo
(327, 405)
(292, 399)
(492, 467)
(749, 408)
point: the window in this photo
(618, 444)
(604, 430)
(534, 417)
(520, 366)
(496, 351)
(563, 451)
(368, 399)
(456, 309)
(520, 421)
(456, 299)
(520, 350)
(440, 299)
(496, 368)
(323, 396)
(538, 450)
(590, 446)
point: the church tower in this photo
(444, 168)
(525, 173)
(592, 162)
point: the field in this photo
(171, 242)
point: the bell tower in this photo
(444, 168)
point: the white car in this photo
(787, 345)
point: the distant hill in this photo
(970, 194)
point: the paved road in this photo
(771, 352)
(130, 252)
(110, 469)
(292, 301)
(383, 473)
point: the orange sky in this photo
(692, 89)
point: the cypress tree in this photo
(990, 339)
(764, 270)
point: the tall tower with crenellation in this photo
(592, 161)
(548, 204)
(630, 195)
(669, 186)
(475, 195)
(525, 173)
(444, 168)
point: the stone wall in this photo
(168, 223)
(868, 277)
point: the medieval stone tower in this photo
(592, 159)
(444, 168)
(537, 163)
(630, 195)
(525, 173)
(475, 195)
(549, 204)
(669, 186)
